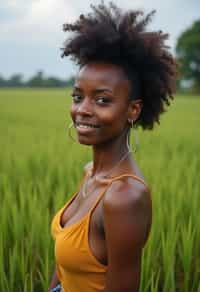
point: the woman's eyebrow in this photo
(102, 90)
(76, 88)
(99, 90)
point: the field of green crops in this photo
(40, 168)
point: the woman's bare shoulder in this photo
(125, 191)
(128, 202)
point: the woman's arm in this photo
(127, 221)
(54, 281)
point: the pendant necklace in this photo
(85, 185)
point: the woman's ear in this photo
(135, 108)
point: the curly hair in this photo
(111, 35)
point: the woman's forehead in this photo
(102, 75)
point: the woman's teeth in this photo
(86, 126)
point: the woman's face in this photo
(100, 103)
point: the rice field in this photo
(40, 167)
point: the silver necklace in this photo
(85, 185)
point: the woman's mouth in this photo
(83, 128)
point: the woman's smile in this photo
(86, 128)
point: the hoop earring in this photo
(135, 134)
(69, 132)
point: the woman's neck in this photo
(106, 156)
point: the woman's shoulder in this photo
(127, 189)
(127, 203)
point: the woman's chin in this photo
(85, 141)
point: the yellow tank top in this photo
(77, 268)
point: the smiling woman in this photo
(126, 78)
(99, 88)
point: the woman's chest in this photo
(79, 210)
(80, 207)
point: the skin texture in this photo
(121, 222)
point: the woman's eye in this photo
(76, 98)
(100, 100)
(103, 100)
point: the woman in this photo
(125, 80)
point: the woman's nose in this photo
(85, 107)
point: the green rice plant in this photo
(186, 252)
(40, 168)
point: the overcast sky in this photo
(31, 30)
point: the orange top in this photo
(77, 268)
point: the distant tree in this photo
(54, 82)
(188, 54)
(70, 81)
(15, 81)
(3, 82)
(37, 80)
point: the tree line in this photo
(38, 80)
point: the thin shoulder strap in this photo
(129, 175)
(118, 178)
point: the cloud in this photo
(12, 10)
(31, 30)
(41, 21)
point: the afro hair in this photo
(112, 35)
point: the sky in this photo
(31, 30)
